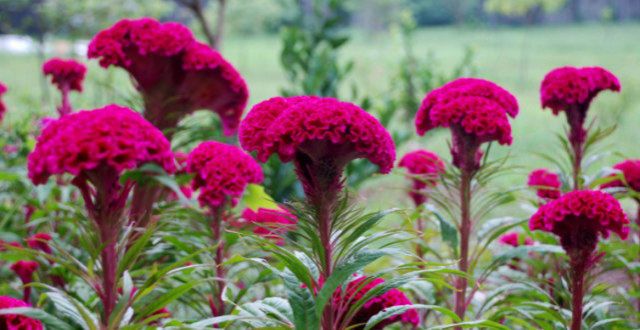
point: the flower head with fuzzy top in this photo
(222, 172)
(424, 167)
(630, 171)
(67, 75)
(514, 239)
(16, 321)
(476, 111)
(546, 183)
(25, 269)
(270, 223)
(40, 241)
(175, 74)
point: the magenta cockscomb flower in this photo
(3, 108)
(25, 269)
(175, 74)
(96, 147)
(579, 218)
(424, 168)
(475, 110)
(321, 136)
(222, 172)
(355, 291)
(515, 239)
(630, 172)
(40, 241)
(67, 76)
(270, 223)
(546, 183)
(16, 321)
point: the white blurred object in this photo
(16, 44)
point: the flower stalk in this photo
(217, 305)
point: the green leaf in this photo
(256, 197)
(397, 310)
(448, 231)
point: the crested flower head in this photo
(546, 183)
(15, 321)
(111, 137)
(357, 288)
(3, 108)
(270, 223)
(40, 241)
(25, 269)
(514, 239)
(424, 168)
(567, 87)
(222, 172)
(630, 171)
(476, 110)
(579, 216)
(65, 74)
(175, 73)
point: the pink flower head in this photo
(3, 108)
(40, 241)
(578, 217)
(630, 170)
(113, 137)
(25, 269)
(65, 74)
(15, 321)
(222, 172)
(514, 239)
(476, 110)
(175, 74)
(425, 167)
(316, 132)
(546, 183)
(271, 224)
(357, 288)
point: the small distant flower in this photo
(175, 74)
(357, 288)
(222, 172)
(25, 269)
(65, 74)
(3, 108)
(475, 110)
(268, 223)
(630, 171)
(40, 241)
(514, 239)
(424, 167)
(546, 183)
(321, 136)
(10, 149)
(578, 217)
(15, 321)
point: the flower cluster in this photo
(579, 216)
(424, 167)
(319, 128)
(25, 269)
(112, 136)
(630, 170)
(3, 108)
(546, 183)
(515, 239)
(476, 110)
(15, 321)
(65, 74)
(175, 73)
(222, 172)
(358, 287)
(269, 223)
(567, 87)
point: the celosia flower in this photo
(65, 74)
(424, 167)
(579, 216)
(3, 108)
(546, 183)
(476, 110)
(112, 139)
(40, 241)
(269, 223)
(222, 172)
(25, 269)
(175, 74)
(15, 321)
(630, 170)
(357, 288)
(321, 135)
(514, 239)
(571, 90)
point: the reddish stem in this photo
(109, 269)
(65, 108)
(216, 229)
(465, 233)
(578, 269)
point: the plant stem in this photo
(577, 165)
(65, 108)
(216, 229)
(109, 269)
(324, 211)
(465, 232)
(578, 267)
